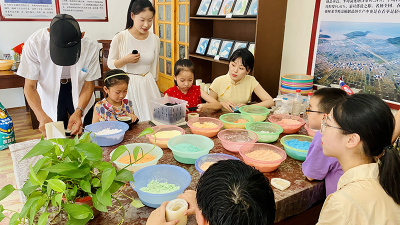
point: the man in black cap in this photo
(59, 65)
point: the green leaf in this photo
(76, 139)
(79, 173)
(104, 197)
(85, 138)
(146, 131)
(63, 141)
(42, 175)
(33, 177)
(28, 188)
(73, 191)
(56, 200)
(136, 152)
(28, 205)
(78, 211)
(43, 218)
(57, 150)
(62, 167)
(85, 185)
(118, 152)
(39, 164)
(74, 154)
(2, 216)
(98, 204)
(101, 165)
(14, 219)
(32, 212)
(73, 221)
(6, 191)
(96, 182)
(92, 151)
(137, 203)
(107, 178)
(41, 201)
(39, 149)
(115, 186)
(124, 175)
(56, 185)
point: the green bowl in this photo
(261, 129)
(258, 113)
(200, 141)
(293, 152)
(229, 120)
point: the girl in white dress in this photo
(142, 63)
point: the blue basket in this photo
(111, 139)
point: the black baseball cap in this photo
(65, 40)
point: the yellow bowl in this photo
(6, 64)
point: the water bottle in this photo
(306, 105)
(297, 104)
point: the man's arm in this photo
(84, 98)
(33, 98)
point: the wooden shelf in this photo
(209, 59)
(223, 18)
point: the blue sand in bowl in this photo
(302, 145)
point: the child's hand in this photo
(132, 58)
(133, 116)
(228, 105)
(201, 107)
(157, 217)
(190, 197)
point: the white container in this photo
(175, 209)
(170, 115)
(199, 81)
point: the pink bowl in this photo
(233, 139)
(208, 132)
(162, 142)
(310, 132)
(287, 128)
(263, 166)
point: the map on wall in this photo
(360, 44)
(45, 10)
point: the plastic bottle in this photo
(297, 104)
(306, 105)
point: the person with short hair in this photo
(59, 65)
(229, 192)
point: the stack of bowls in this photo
(291, 82)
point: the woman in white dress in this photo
(142, 63)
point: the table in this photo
(301, 195)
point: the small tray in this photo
(279, 183)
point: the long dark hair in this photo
(371, 118)
(136, 7)
(183, 65)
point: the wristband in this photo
(79, 108)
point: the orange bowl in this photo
(6, 64)
(287, 128)
(208, 132)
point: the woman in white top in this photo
(358, 133)
(141, 66)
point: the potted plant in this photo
(66, 176)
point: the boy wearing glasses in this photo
(317, 166)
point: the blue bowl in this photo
(211, 158)
(110, 139)
(161, 173)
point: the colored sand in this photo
(206, 165)
(290, 121)
(205, 125)
(301, 145)
(167, 134)
(184, 147)
(264, 155)
(159, 188)
(145, 159)
(241, 121)
(108, 131)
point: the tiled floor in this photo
(23, 132)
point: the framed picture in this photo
(214, 8)
(239, 44)
(240, 7)
(226, 48)
(202, 46)
(203, 8)
(213, 47)
(226, 7)
(252, 10)
(251, 47)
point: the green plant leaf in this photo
(32, 212)
(96, 182)
(124, 175)
(73, 221)
(6, 191)
(39, 164)
(2, 216)
(56, 200)
(115, 186)
(137, 203)
(63, 141)
(101, 165)
(43, 218)
(78, 211)
(28, 205)
(57, 150)
(136, 152)
(146, 131)
(98, 204)
(85, 185)
(85, 138)
(118, 152)
(73, 191)
(42, 175)
(41, 201)
(39, 149)
(76, 139)
(107, 178)
(104, 197)
(92, 151)
(28, 188)
(56, 185)
(14, 219)
(79, 173)
(33, 177)
(62, 167)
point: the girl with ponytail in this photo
(358, 132)
(136, 50)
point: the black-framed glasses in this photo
(324, 125)
(308, 111)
